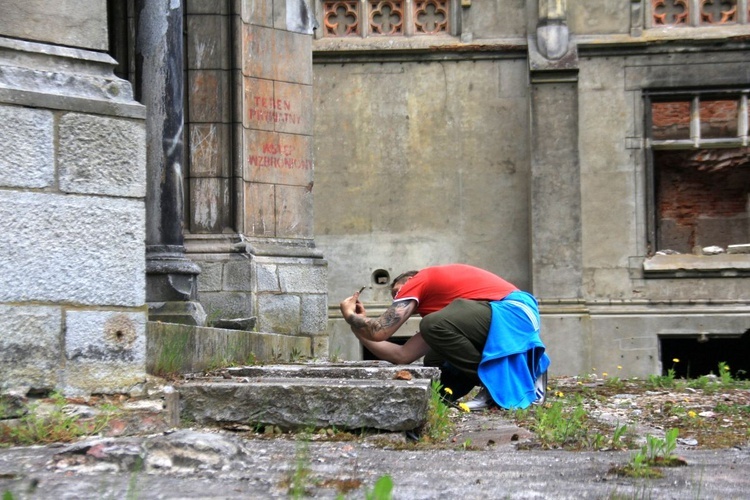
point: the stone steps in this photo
(356, 395)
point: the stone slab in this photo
(394, 405)
(362, 370)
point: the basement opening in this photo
(701, 354)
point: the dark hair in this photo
(403, 276)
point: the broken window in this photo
(699, 163)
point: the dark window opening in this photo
(701, 354)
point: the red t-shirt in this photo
(435, 287)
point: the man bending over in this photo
(476, 327)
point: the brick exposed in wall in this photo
(702, 198)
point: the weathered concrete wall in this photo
(572, 223)
(415, 163)
(72, 218)
(424, 160)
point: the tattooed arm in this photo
(376, 329)
(412, 350)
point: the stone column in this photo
(171, 285)
(555, 167)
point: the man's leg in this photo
(456, 335)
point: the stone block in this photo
(106, 337)
(276, 55)
(303, 278)
(279, 313)
(294, 212)
(30, 347)
(209, 95)
(238, 276)
(97, 377)
(210, 278)
(83, 24)
(72, 249)
(266, 278)
(278, 158)
(314, 314)
(208, 41)
(26, 139)
(102, 155)
(227, 305)
(258, 12)
(259, 58)
(261, 111)
(206, 7)
(210, 149)
(395, 405)
(294, 110)
(295, 69)
(210, 208)
(260, 216)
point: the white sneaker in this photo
(481, 401)
(540, 388)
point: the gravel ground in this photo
(487, 455)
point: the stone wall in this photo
(251, 166)
(483, 146)
(72, 216)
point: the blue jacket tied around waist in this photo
(513, 356)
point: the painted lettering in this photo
(270, 103)
(259, 115)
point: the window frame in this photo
(689, 265)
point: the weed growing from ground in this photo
(559, 425)
(382, 490)
(171, 354)
(655, 453)
(54, 427)
(298, 482)
(439, 424)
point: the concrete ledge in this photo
(394, 405)
(688, 265)
(175, 348)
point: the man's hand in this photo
(351, 307)
(378, 329)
